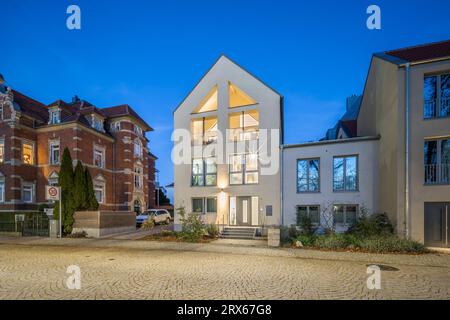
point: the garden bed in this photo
(171, 236)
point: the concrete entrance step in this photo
(238, 233)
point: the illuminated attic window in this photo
(238, 98)
(209, 103)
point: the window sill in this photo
(308, 192)
(346, 191)
(436, 118)
(430, 184)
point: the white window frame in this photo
(138, 177)
(32, 191)
(100, 187)
(116, 126)
(243, 170)
(53, 144)
(55, 116)
(138, 130)
(102, 152)
(137, 143)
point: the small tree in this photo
(66, 183)
(91, 200)
(80, 188)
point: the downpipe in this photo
(406, 217)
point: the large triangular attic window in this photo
(209, 103)
(238, 98)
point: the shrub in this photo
(293, 232)
(212, 230)
(193, 228)
(305, 224)
(374, 225)
(391, 244)
(307, 241)
(148, 224)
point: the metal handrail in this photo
(437, 173)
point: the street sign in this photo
(52, 193)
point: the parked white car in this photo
(158, 216)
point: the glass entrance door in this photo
(437, 224)
(244, 211)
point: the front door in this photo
(244, 211)
(437, 224)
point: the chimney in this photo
(75, 99)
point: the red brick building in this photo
(111, 142)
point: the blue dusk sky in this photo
(150, 54)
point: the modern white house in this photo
(389, 153)
(231, 167)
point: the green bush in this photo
(374, 225)
(193, 228)
(212, 230)
(373, 244)
(305, 224)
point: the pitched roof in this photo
(348, 121)
(430, 51)
(30, 107)
(124, 110)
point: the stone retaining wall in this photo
(97, 224)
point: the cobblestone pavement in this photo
(114, 272)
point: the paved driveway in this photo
(141, 270)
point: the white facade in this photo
(325, 198)
(226, 97)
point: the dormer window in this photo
(115, 126)
(97, 123)
(55, 116)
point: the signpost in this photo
(54, 193)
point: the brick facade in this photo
(125, 175)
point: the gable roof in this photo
(212, 67)
(419, 53)
(124, 110)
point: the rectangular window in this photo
(99, 191)
(2, 150)
(308, 175)
(204, 130)
(54, 152)
(54, 116)
(345, 214)
(2, 190)
(437, 161)
(28, 153)
(197, 205)
(244, 125)
(27, 193)
(99, 157)
(204, 172)
(345, 173)
(243, 169)
(211, 205)
(138, 177)
(311, 212)
(436, 95)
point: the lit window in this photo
(54, 152)
(204, 130)
(244, 125)
(204, 172)
(238, 98)
(99, 192)
(27, 193)
(99, 155)
(243, 169)
(28, 153)
(209, 103)
(2, 150)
